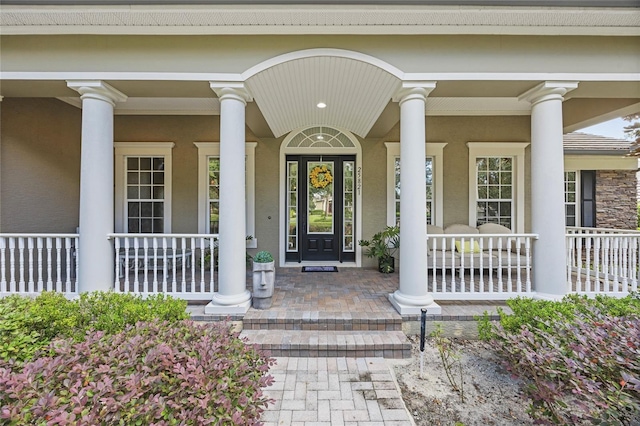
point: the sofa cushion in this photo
(460, 229)
(467, 247)
(493, 228)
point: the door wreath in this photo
(320, 177)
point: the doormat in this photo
(319, 269)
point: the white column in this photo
(412, 295)
(95, 252)
(232, 296)
(547, 188)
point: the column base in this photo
(214, 308)
(548, 296)
(405, 309)
(223, 304)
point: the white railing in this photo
(602, 261)
(181, 265)
(33, 263)
(482, 267)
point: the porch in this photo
(598, 261)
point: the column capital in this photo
(413, 89)
(548, 90)
(231, 90)
(97, 89)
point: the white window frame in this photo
(433, 150)
(499, 149)
(122, 150)
(212, 149)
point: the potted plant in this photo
(264, 275)
(384, 246)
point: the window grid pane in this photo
(570, 198)
(348, 209)
(494, 190)
(292, 206)
(145, 194)
(214, 195)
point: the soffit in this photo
(317, 19)
(355, 93)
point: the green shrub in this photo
(538, 314)
(28, 324)
(17, 340)
(111, 312)
(151, 373)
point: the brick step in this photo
(312, 321)
(312, 344)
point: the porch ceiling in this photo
(355, 94)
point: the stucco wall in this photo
(40, 170)
(616, 203)
(268, 224)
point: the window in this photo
(496, 183)
(570, 198)
(143, 187)
(428, 164)
(209, 188)
(433, 183)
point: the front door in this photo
(320, 206)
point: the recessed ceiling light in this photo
(321, 105)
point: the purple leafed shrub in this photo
(580, 371)
(154, 373)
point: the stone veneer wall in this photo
(616, 202)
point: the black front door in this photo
(320, 203)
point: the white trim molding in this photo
(137, 149)
(434, 150)
(499, 149)
(212, 149)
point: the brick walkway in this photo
(335, 392)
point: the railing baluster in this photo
(213, 242)
(3, 265)
(174, 282)
(136, 264)
(49, 264)
(183, 247)
(58, 246)
(164, 264)
(67, 247)
(118, 265)
(127, 260)
(145, 272)
(30, 279)
(482, 267)
(192, 261)
(21, 283)
(155, 264)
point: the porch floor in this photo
(350, 294)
